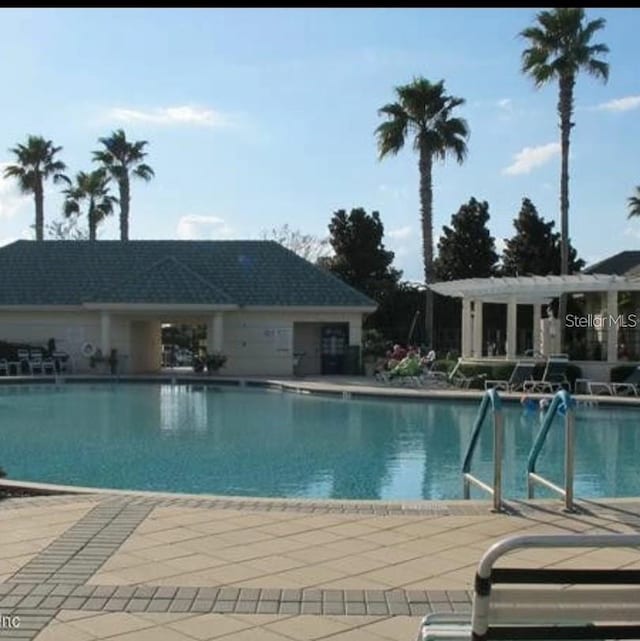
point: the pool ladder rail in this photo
(492, 405)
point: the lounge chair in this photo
(4, 366)
(579, 612)
(522, 372)
(631, 384)
(62, 362)
(457, 378)
(35, 361)
(553, 378)
(23, 359)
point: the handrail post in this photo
(570, 420)
(498, 446)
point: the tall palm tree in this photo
(123, 159)
(35, 164)
(559, 48)
(634, 204)
(92, 188)
(423, 111)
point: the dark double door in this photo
(333, 348)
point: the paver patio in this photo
(137, 567)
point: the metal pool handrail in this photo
(490, 403)
(561, 400)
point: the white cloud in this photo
(195, 227)
(632, 231)
(400, 233)
(506, 104)
(620, 104)
(182, 115)
(12, 202)
(529, 158)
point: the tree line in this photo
(119, 160)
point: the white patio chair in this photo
(581, 611)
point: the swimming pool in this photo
(254, 442)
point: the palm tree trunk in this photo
(124, 208)
(39, 200)
(565, 111)
(92, 222)
(426, 215)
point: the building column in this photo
(215, 333)
(612, 328)
(105, 333)
(466, 328)
(355, 332)
(477, 329)
(512, 327)
(537, 329)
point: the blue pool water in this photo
(265, 443)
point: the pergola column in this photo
(477, 329)
(105, 333)
(466, 328)
(537, 316)
(215, 333)
(612, 328)
(512, 327)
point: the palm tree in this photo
(634, 204)
(92, 188)
(560, 47)
(423, 111)
(123, 159)
(35, 164)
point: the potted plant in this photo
(215, 361)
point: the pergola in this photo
(529, 290)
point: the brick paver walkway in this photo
(76, 568)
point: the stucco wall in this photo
(69, 329)
(261, 343)
(256, 343)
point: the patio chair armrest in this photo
(497, 384)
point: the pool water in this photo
(249, 442)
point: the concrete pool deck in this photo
(137, 567)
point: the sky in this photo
(256, 118)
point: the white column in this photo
(105, 333)
(477, 328)
(512, 327)
(612, 328)
(466, 328)
(355, 332)
(215, 333)
(537, 329)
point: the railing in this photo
(561, 401)
(490, 403)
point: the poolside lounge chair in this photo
(457, 378)
(62, 362)
(4, 366)
(35, 361)
(631, 384)
(579, 612)
(553, 378)
(522, 372)
(23, 360)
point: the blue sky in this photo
(257, 118)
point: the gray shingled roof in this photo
(623, 264)
(245, 272)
